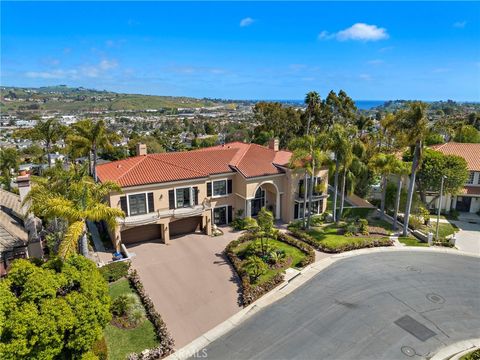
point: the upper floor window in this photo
(137, 204)
(183, 197)
(219, 187)
(470, 179)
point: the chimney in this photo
(274, 144)
(23, 183)
(141, 149)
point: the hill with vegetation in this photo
(64, 98)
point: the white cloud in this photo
(440, 70)
(459, 24)
(358, 32)
(91, 71)
(375, 62)
(366, 77)
(246, 22)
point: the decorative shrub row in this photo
(115, 270)
(166, 346)
(373, 242)
(251, 292)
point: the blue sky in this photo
(372, 50)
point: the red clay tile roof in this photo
(249, 159)
(470, 152)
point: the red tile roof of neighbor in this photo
(249, 159)
(471, 190)
(470, 152)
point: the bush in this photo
(115, 270)
(351, 229)
(363, 226)
(100, 349)
(317, 220)
(255, 267)
(453, 214)
(415, 222)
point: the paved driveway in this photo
(468, 238)
(191, 284)
(377, 306)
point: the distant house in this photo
(169, 194)
(468, 200)
(18, 231)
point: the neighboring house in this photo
(468, 200)
(169, 194)
(18, 235)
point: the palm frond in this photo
(69, 244)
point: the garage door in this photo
(141, 233)
(185, 226)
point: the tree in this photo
(338, 143)
(312, 100)
(47, 131)
(89, 137)
(79, 202)
(308, 154)
(8, 162)
(57, 310)
(400, 169)
(434, 166)
(265, 225)
(255, 267)
(413, 124)
(467, 134)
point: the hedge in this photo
(115, 270)
(303, 236)
(166, 346)
(251, 292)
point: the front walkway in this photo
(191, 284)
(468, 238)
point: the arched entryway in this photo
(266, 195)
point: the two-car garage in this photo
(153, 232)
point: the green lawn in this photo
(327, 236)
(444, 229)
(411, 241)
(354, 213)
(474, 355)
(290, 251)
(121, 342)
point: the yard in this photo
(411, 241)
(444, 229)
(290, 257)
(122, 341)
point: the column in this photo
(277, 207)
(248, 210)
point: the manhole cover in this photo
(435, 298)
(407, 350)
(413, 268)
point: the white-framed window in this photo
(471, 177)
(183, 197)
(137, 204)
(219, 187)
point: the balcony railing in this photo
(180, 213)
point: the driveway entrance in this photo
(191, 284)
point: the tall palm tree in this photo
(89, 137)
(307, 151)
(384, 165)
(47, 131)
(81, 203)
(312, 99)
(400, 169)
(413, 123)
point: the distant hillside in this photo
(64, 98)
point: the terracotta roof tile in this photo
(249, 159)
(470, 152)
(471, 190)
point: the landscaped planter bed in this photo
(251, 291)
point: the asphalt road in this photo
(398, 305)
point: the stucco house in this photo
(169, 194)
(468, 200)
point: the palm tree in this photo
(89, 137)
(312, 99)
(8, 161)
(400, 169)
(47, 131)
(81, 203)
(413, 123)
(307, 151)
(384, 164)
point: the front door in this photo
(220, 216)
(463, 203)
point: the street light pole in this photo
(439, 206)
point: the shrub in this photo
(351, 229)
(453, 214)
(115, 270)
(415, 222)
(276, 256)
(317, 220)
(100, 349)
(255, 267)
(123, 303)
(363, 226)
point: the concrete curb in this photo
(285, 288)
(457, 350)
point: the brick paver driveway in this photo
(190, 282)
